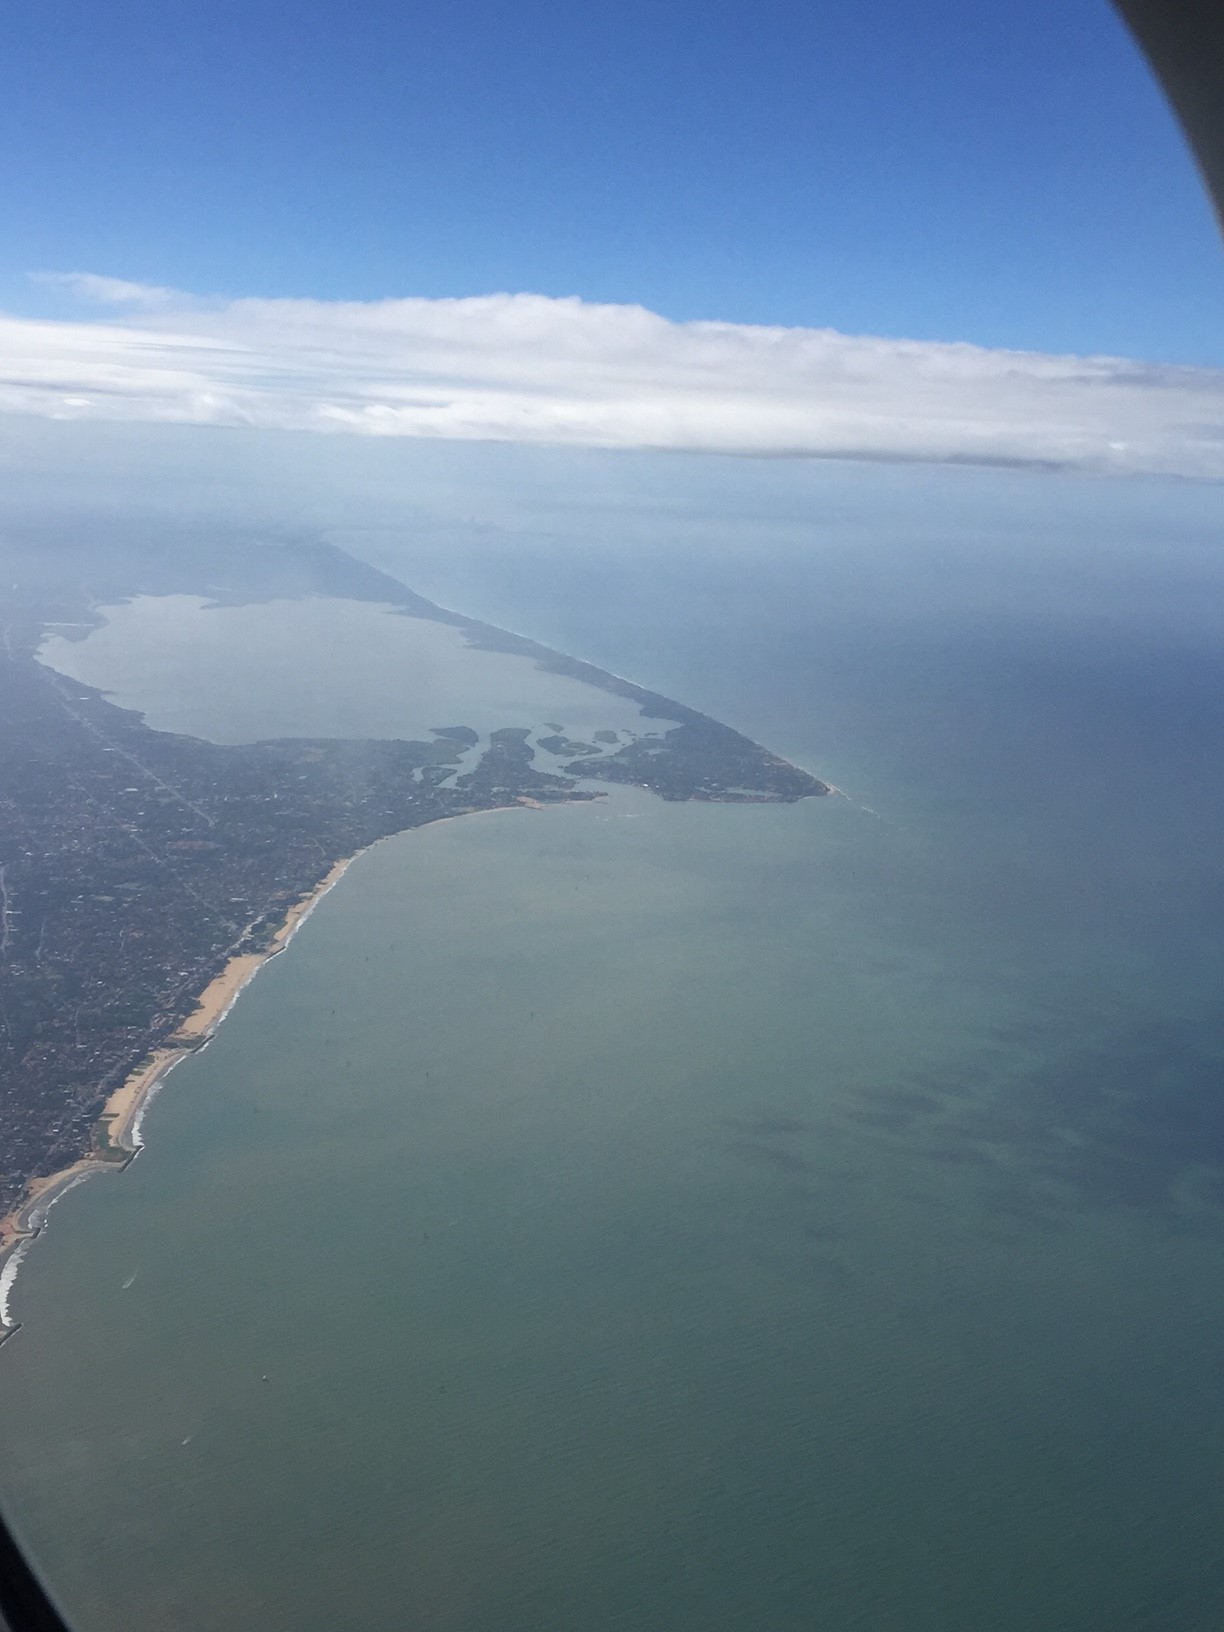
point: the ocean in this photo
(707, 1218)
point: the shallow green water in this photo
(696, 1217)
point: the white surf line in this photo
(36, 1223)
(859, 805)
(135, 1138)
(6, 912)
(37, 1216)
(7, 1276)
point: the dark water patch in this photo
(898, 1108)
(957, 1153)
(952, 1083)
(817, 1230)
(891, 1121)
(1124, 1123)
(913, 1100)
(766, 1126)
(824, 1273)
(1018, 1201)
(766, 1155)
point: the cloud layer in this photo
(526, 368)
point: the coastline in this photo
(117, 1130)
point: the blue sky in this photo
(930, 169)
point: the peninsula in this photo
(145, 875)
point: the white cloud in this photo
(98, 291)
(526, 368)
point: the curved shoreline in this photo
(117, 1130)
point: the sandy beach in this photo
(117, 1129)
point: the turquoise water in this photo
(702, 1217)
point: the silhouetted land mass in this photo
(565, 747)
(506, 765)
(134, 864)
